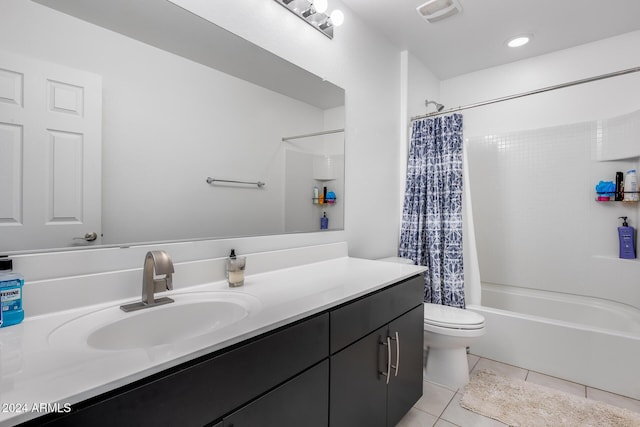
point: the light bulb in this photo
(520, 40)
(320, 5)
(337, 18)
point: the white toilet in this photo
(448, 331)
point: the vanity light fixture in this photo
(313, 13)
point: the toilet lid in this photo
(452, 317)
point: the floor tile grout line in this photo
(445, 408)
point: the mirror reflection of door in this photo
(50, 154)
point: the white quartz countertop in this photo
(35, 373)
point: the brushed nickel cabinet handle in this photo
(397, 365)
(388, 373)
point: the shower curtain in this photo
(431, 233)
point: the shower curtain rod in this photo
(531, 92)
(324, 132)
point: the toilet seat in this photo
(442, 316)
(453, 332)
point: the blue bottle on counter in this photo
(626, 235)
(11, 284)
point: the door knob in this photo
(89, 237)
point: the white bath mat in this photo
(524, 404)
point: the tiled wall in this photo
(536, 219)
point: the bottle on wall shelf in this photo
(619, 186)
(315, 195)
(331, 198)
(324, 222)
(626, 235)
(631, 186)
(11, 284)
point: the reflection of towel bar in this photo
(325, 132)
(260, 184)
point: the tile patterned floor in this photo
(439, 406)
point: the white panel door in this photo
(50, 154)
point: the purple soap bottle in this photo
(626, 235)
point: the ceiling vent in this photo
(436, 10)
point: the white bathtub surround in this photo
(536, 219)
(287, 285)
(586, 340)
(539, 228)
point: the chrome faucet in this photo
(156, 263)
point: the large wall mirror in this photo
(114, 114)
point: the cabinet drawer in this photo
(201, 393)
(301, 401)
(357, 319)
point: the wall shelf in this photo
(610, 197)
(329, 202)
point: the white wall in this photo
(536, 166)
(607, 98)
(367, 66)
(417, 84)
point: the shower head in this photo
(439, 107)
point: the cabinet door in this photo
(358, 390)
(301, 401)
(406, 388)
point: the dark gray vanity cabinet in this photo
(205, 390)
(377, 378)
(323, 370)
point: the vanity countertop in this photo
(34, 373)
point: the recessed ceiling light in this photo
(520, 40)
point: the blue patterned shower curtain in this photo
(431, 233)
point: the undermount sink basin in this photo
(191, 315)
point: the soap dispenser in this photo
(235, 269)
(626, 235)
(324, 222)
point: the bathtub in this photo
(586, 340)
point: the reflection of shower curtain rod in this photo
(532, 92)
(324, 132)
